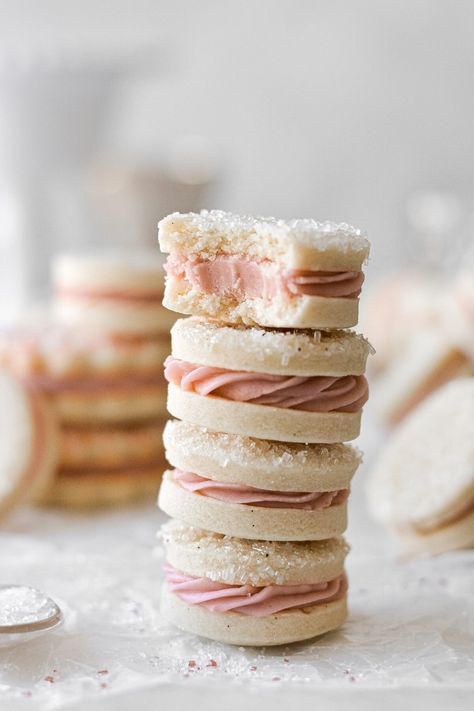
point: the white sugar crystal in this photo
(23, 605)
(257, 453)
(243, 561)
(219, 222)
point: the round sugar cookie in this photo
(423, 481)
(116, 403)
(28, 443)
(282, 352)
(452, 536)
(250, 521)
(117, 291)
(99, 488)
(110, 446)
(263, 421)
(238, 561)
(89, 376)
(233, 628)
(265, 464)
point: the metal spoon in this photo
(25, 613)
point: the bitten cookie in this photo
(242, 486)
(263, 271)
(252, 592)
(289, 386)
(114, 291)
(28, 443)
(422, 487)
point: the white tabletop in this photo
(409, 637)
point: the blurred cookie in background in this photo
(28, 443)
(90, 489)
(422, 486)
(110, 446)
(106, 466)
(108, 394)
(439, 350)
(115, 291)
(89, 376)
(395, 308)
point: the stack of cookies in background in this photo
(267, 388)
(99, 359)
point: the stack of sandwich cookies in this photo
(265, 399)
(108, 394)
(117, 294)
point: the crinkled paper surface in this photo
(410, 626)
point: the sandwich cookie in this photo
(286, 386)
(98, 488)
(250, 488)
(107, 465)
(395, 310)
(434, 356)
(422, 487)
(110, 446)
(90, 377)
(252, 593)
(28, 443)
(263, 271)
(118, 292)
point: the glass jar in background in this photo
(439, 231)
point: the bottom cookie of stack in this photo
(256, 593)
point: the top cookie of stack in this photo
(262, 271)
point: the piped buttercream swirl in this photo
(240, 494)
(317, 393)
(251, 600)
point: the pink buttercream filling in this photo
(240, 494)
(249, 599)
(317, 393)
(242, 278)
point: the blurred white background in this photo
(340, 109)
